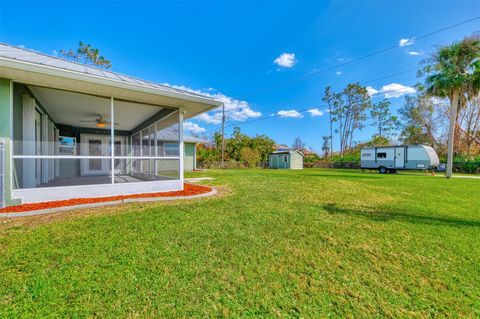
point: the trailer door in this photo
(399, 157)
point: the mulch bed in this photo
(188, 190)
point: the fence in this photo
(472, 167)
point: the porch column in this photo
(112, 139)
(181, 145)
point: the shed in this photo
(290, 159)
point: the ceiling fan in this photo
(99, 121)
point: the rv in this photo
(389, 159)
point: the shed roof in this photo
(287, 152)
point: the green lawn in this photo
(311, 243)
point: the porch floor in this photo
(95, 180)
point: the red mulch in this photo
(188, 190)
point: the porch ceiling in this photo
(73, 109)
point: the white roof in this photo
(37, 68)
(287, 152)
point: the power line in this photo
(368, 55)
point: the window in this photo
(285, 158)
(382, 155)
(171, 149)
(366, 154)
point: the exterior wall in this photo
(5, 137)
(189, 161)
(296, 161)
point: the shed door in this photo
(399, 157)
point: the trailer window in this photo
(285, 158)
(382, 155)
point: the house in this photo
(70, 130)
(291, 159)
(190, 142)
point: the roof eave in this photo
(53, 71)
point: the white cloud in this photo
(371, 91)
(286, 60)
(392, 90)
(414, 52)
(289, 113)
(406, 42)
(315, 112)
(193, 128)
(395, 90)
(339, 73)
(235, 110)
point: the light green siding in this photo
(286, 161)
(296, 161)
(189, 159)
(5, 136)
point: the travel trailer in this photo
(389, 159)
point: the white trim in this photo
(181, 149)
(112, 140)
(11, 139)
(44, 194)
(95, 157)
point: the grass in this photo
(277, 243)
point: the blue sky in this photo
(229, 49)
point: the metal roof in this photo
(171, 135)
(19, 54)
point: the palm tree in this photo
(453, 72)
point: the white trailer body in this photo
(392, 158)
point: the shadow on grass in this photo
(386, 215)
(343, 176)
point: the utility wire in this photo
(363, 57)
(368, 55)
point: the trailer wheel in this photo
(382, 170)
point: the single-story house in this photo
(70, 130)
(290, 159)
(190, 142)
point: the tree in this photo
(298, 144)
(326, 146)
(332, 100)
(86, 54)
(264, 145)
(251, 156)
(421, 118)
(383, 120)
(469, 120)
(454, 72)
(350, 112)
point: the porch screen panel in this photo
(61, 138)
(144, 158)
